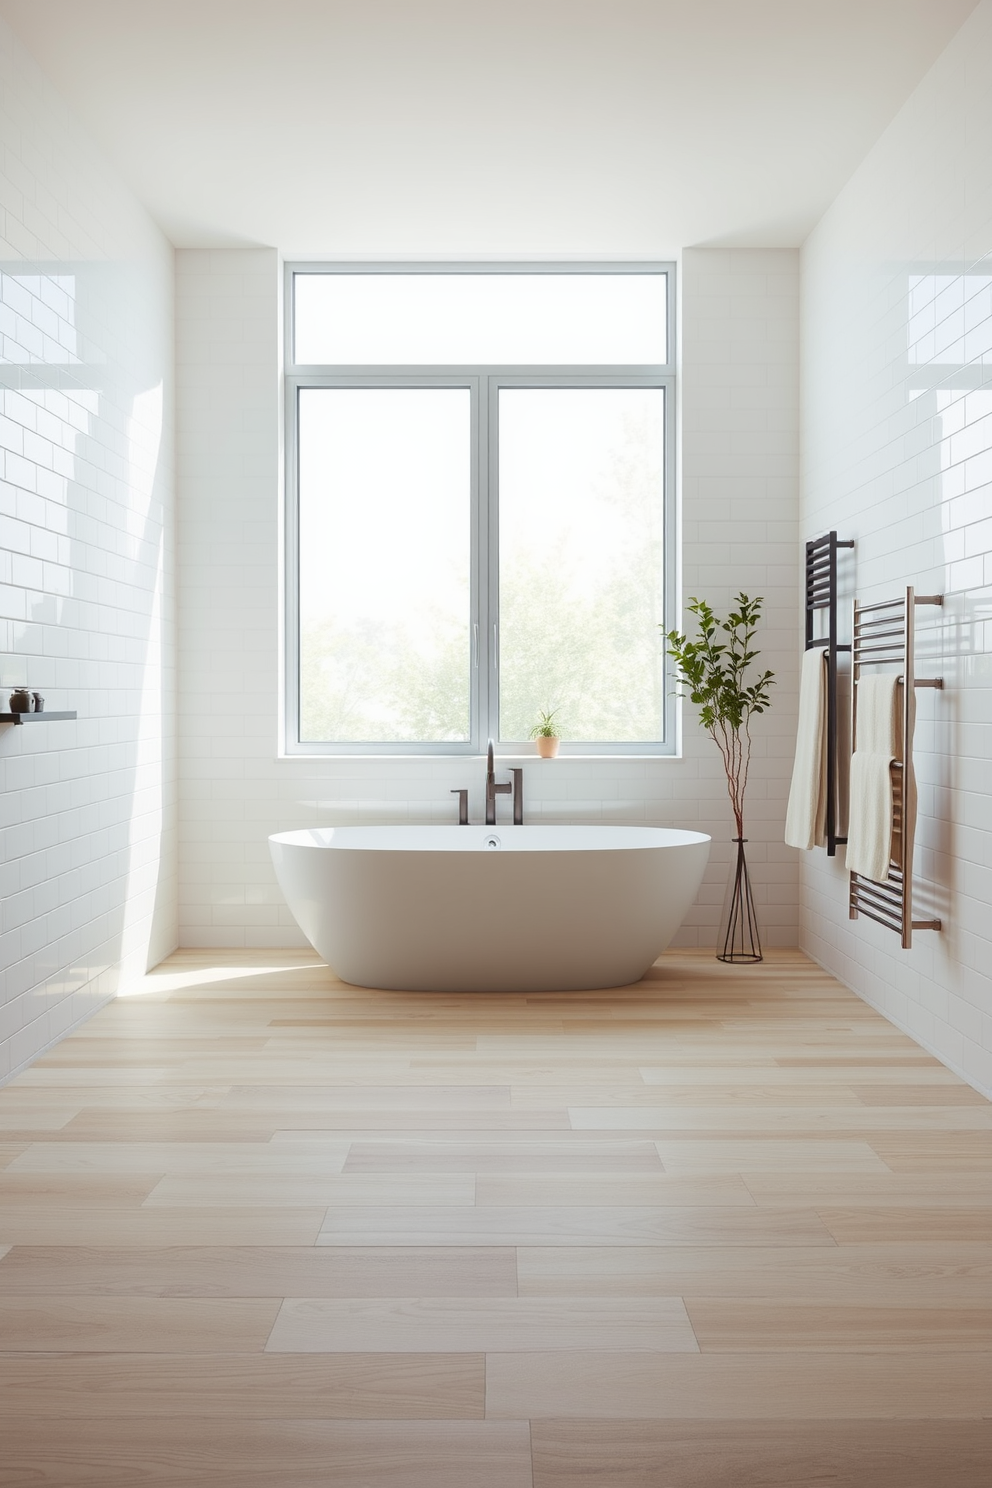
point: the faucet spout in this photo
(492, 789)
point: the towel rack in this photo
(821, 594)
(884, 634)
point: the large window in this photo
(480, 507)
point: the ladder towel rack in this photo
(885, 635)
(821, 594)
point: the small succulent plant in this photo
(546, 728)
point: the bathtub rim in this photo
(447, 838)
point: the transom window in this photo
(479, 524)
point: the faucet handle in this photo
(518, 797)
(462, 806)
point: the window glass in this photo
(469, 319)
(581, 561)
(384, 559)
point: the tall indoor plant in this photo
(711, 670)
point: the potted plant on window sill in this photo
(545, 734)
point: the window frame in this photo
(484, 384)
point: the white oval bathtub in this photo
(485, 909)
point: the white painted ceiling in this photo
(452, 128)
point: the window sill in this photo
(516, 757)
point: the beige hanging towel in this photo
(871, 845)
(805, 820)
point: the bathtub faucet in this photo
(493, 790)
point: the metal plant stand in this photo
(738, 940)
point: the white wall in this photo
(87, 875)
(740, 474)
(227, 397)
(897, 438)
(740, 492)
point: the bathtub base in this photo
(434, 909)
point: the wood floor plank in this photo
(280, 1068)
(14, 1120)
(711, 1386)
(895, 1223)
(908, 1274)
(761, 1454)
(523, 1140)
(259, 1271)
(166, 1325)
(799, 1119)
(86, 1080)
(960, 1190)
(780, 1075)
(363, 1386)
(271, 1453)
(609, 1190)
(709, 1102)
(41, 1079)
(75, 1190)
(92, 1048)
(158, 1227)
(934, 1151)
(447, 1325)
(371, 1099)
(728, 1154)
(571, 1155)
(574, 1225)
(147, 1099)
(95, 1124)
(759, 1324)
(312, 1114)
(958, 1094)
(915, 1059)
(312, 1159)
(541, 1074)
(299, 1191)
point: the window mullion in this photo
(478, 661)
(489, 563)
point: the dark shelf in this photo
(43, 717)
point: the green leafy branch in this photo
(711, 671)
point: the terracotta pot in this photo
(547, 748)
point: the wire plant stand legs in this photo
(738, 940)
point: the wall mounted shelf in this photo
(43, 717)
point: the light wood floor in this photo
(723, 1229)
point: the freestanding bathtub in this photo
(485, 909)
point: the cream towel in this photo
(878, 741)
(805, 821)
(879, 724)
(869, 832)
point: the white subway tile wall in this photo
(897, 440)
(740, 483)
(87, 834)
(740, 473)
